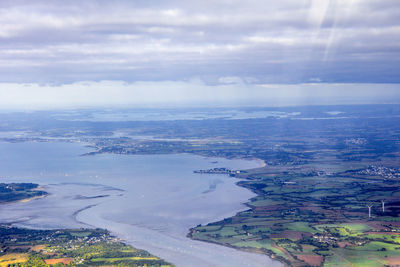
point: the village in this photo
(219, 171)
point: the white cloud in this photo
(271, 41)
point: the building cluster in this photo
(218, 171)
(389, 173)
(74, 242)
(356, 141)
(324, 238)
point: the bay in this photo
(150, 201)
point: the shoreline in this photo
(249, 250)
(271, 255)
(28, 199)
(270, 258)
(25, 200)
(184, 230)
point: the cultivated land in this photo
(71, 247)
(324, 166)
(313, 219)
(77, 247)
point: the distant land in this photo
(328, 194)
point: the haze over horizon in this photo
(58, 54)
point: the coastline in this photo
(87, 216)
(227, 191)
(24, 200)
(261, 161)
(38, 189)
(268, 253)
(30, 199)
(249, 250)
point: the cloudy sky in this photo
(220, 52)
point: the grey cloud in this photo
(268, 41)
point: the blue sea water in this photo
(148, 200)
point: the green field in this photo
(75, 247)
(313, 220)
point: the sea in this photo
(149, 201)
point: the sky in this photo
(56, 54)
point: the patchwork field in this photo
(309, 219)
(329, 193)
(77, 247)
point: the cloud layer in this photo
(271, 41)
(217, 42)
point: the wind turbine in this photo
(369, 210)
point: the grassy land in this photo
(307, 219)
(77, 247)
(74, 247)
